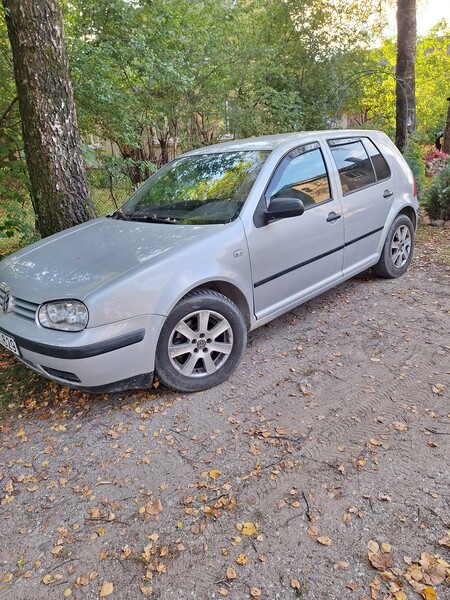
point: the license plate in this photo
(9, 343)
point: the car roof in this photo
(270, 142)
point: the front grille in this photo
(3, 293)
(22, 308)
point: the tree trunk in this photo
(59, 189)
(446, 142)
(405, 71)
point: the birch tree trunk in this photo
(59, 190)
(405, 71)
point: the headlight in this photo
(66, 315)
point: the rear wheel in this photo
(201, 342)
(397, 250)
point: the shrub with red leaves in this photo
(435, 161)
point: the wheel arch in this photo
(230, 291)
(409, 212)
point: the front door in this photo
(295, 257)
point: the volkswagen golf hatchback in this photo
(218, 242)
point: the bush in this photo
(437, 197)
(414, 155)
(435, 161)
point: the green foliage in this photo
(432, 74)
(178, 73)
(191, 71)
(437, 196)
(414, 155)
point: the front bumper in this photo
(112, 357)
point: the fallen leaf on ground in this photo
(154, 507)
(324, 540)
(146, 590)
(313, 531)
(400, 426)
(231, 573)
(381, 562)
(242, 559)
(438, 389)
(106, 589)
(433, 572)
(249, 528)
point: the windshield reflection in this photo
(197, 189)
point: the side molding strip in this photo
(307, 262)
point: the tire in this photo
(191, 356)
(397, 250)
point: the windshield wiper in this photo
(118, 214)
(154, 219)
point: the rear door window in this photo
(353, 163)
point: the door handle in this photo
(332, 217)
(387, 194)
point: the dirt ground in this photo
(320, 470)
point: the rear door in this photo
(293, 257)
(367, 192)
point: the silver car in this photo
(218, 242)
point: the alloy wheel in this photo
(400, 246)
(200, 343)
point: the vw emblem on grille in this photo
(6, 301)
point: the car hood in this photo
(74, 262)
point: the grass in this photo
(16, 380)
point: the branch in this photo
(8, 109)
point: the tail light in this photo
(415, 188)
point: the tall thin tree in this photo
(446, 144)
(405, 71)
(59, 190)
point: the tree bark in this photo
(59, 189)
(405, 71)
(446, 142)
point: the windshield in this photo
(197, 189)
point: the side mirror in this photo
(282, 208)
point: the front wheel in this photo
(397, 250)
(201, 342)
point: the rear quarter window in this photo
(380, 165)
